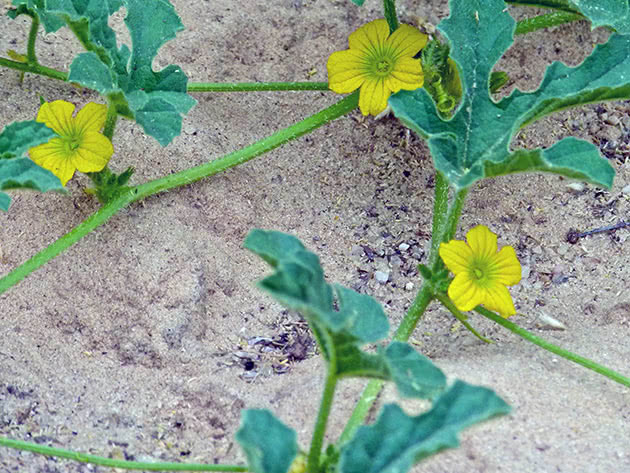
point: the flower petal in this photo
(58, 116)
(94, 152)
(464, 293)
(90, 118)
(457, 256)
(407, 75)
(52, 156)
(482, 241)
(498, 298)
(407, 41)
(370, 37)
(506, 268)
(373, 97)
(345, 71)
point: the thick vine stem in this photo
(317, 441)
(389, 11)
(114, 463)
(179, 179)
(530, 337)
(31, 57)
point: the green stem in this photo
(179, 179)
(113, 463)
(31, 57)
(239, 157)
(521, 332)
(454, 213)
(254, 86)
(417, 309)
(110, 120)
(448, 303)
(361, 410)
(440, 211)
(34, 68)
(546, 21)
(389, 10)
(192, 86)
(373, 388)
(561, 5)
(317, 441)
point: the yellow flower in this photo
(481, 273)
(79, 145)
(379, 63)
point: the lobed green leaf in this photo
(18, 137)
(613, 13)
(298, 283)
(341, 324)
(396, 441)
(474, 143)
(155, 99)
(269, 445)
(414, 374)
(23, 173)
(17, 172)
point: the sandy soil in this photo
(135, 342)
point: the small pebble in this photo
(190, 129)
(381, 276)
(563, 249)
(525, 272)
(409, 286)
(403, 247)
(576, 186)
(626, 190)
(612, 120)
(559, 274)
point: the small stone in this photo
(559, 274)
(381, 276)
(403, 247)
(525, 272)
(417, 254)
(576, 186)
(563, 249)
(395, 261)
(190, 129)
(626, 190)
(612, 120)
(409, 286)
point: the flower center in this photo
(71, 144)
(382, 66)
(480, 274)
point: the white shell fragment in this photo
(547, 322)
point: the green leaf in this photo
(23, 173)
(358, 2)
(269, 445)
(298, 283)
(474, 143)
(18, 137)
(414, 374)
(614, 13)
(50, 21)
(88, 70)
(397, 441)
(570, 157)
(155, 99)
